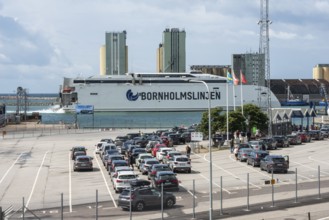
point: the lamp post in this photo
(210, 153)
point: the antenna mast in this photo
(264, 48)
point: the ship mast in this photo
(264, 48)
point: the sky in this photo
(43, 41)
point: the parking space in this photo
(40, 170)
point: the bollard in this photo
(272, 190)
(221, 195)
(130, 205)
(296, 191)
(319, 183)
(62, 207)
(193, 199)
(96, 204)
(1, 214)
(247, 191)
(162, 201)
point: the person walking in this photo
(188, 151)
(130, 160)
(232, 145)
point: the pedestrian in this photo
(131, 160)
(236, 149)
(188, 151)
(232, 145)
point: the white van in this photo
(106, 147)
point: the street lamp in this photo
(210, 154)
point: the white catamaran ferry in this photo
(158, 92)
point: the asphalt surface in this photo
(38, 168)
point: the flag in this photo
(243, 79)
(235, 79)
(229, 78)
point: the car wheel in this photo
(253, 164)
(170, 203)
(140, 206)
(174, 170)
(268, 170)
(286, 171)
(189, 171)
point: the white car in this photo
(123, 179)
(114, 174)
(141, 157)
(106, 147)
(181, 163)
(162, 152)
(98, 146)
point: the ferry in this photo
(153, 92)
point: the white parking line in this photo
(107, 186)
(6, 173)
(216, 184)
(311, 168)
(70, 183)
(188, 191)
(319, 161)
(36, 179)
(228, 172)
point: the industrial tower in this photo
(264, 48)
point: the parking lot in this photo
(39, 169)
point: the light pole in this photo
(210, 153)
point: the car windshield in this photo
(182, 159)
(84, 159)
(163, 168)
(153, 162)
(127, 177)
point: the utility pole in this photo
(264, 48)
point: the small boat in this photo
(291, 101)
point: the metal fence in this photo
(272, 196)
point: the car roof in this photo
(180, 156)
(82, 156)
(275, 156)
(119, 161)
(165, 148)
(126, 172)
(174, 152)
(261, 151)
(123, 168)
(145, 154)
(150, 159)
(160, 165)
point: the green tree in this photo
(255, 117)
(217, 119)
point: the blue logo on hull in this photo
(130, 96)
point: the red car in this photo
(156, 148)
(305, 137)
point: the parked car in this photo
(98, 147)
(107, 147)
(185, 137)
(181, 163)
(294, 139)
(275, 163)
(316, 135)
(156, 148)
(305, 137)
(130, 149)
(112, 158)
(118, 163)
(169, 157)
(77, 148)
(119, 140)
(255, 157)
(270, 143)
(325, 131)
(107, 154)
(107, 140)
(141, 157)
(136, 151)
(142, 197)
(240, 146)
(83, 163)
(162, 152)
(173, 139)
(243, 154)
(146, 166)
(157, 167)
(167, 179)
(114, 174)
(257, 145)
(141, 141)
(281, 141)
(123, 179)
(131, 136)
(123, 149)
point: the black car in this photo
(142, 197)
(119, 140)
(275, 163)
(270, 143)
(167, 179)
(136, 151)
(316, 134)
(77, 149)
(281, 141)
(185, 137)
(83, 163)
(141, 141)
(255, 157)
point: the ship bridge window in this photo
(93, 93)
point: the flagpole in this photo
(227, 130)
(233, 96)
(241, 94)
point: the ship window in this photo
(93, 93)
